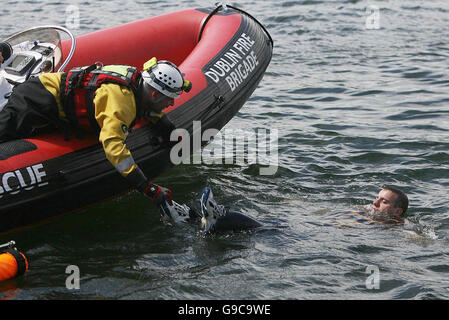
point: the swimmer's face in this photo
(385, 203)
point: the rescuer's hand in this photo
(158, 194)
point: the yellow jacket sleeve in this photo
(115, 110)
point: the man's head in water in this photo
(391, 201)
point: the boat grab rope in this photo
(224, 7)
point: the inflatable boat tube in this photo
(223, 52)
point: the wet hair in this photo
(401, 199)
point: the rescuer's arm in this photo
(114, 112)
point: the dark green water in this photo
(355, 108)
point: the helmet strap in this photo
(148, 102)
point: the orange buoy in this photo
(13, 263)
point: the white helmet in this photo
(165, 77)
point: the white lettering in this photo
(196, 142)
(27, 178)
(72, 281)
(272, 157)
(19, 176)
(372, 22)
(211, 74)
(239, 47)
(236, 64)
(32, 177)
(231, 83)
(223, 66)
(212, 153)
(39, 175)
(189, 310)
(236, 146)
(5, 182)
(250, 41)
(180, 152)
(73, 17)
(373, 280)
(234, 56)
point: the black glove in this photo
(159, 194)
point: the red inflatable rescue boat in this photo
(224, 52)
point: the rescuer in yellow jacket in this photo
(105, 99)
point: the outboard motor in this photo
(30, 53)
